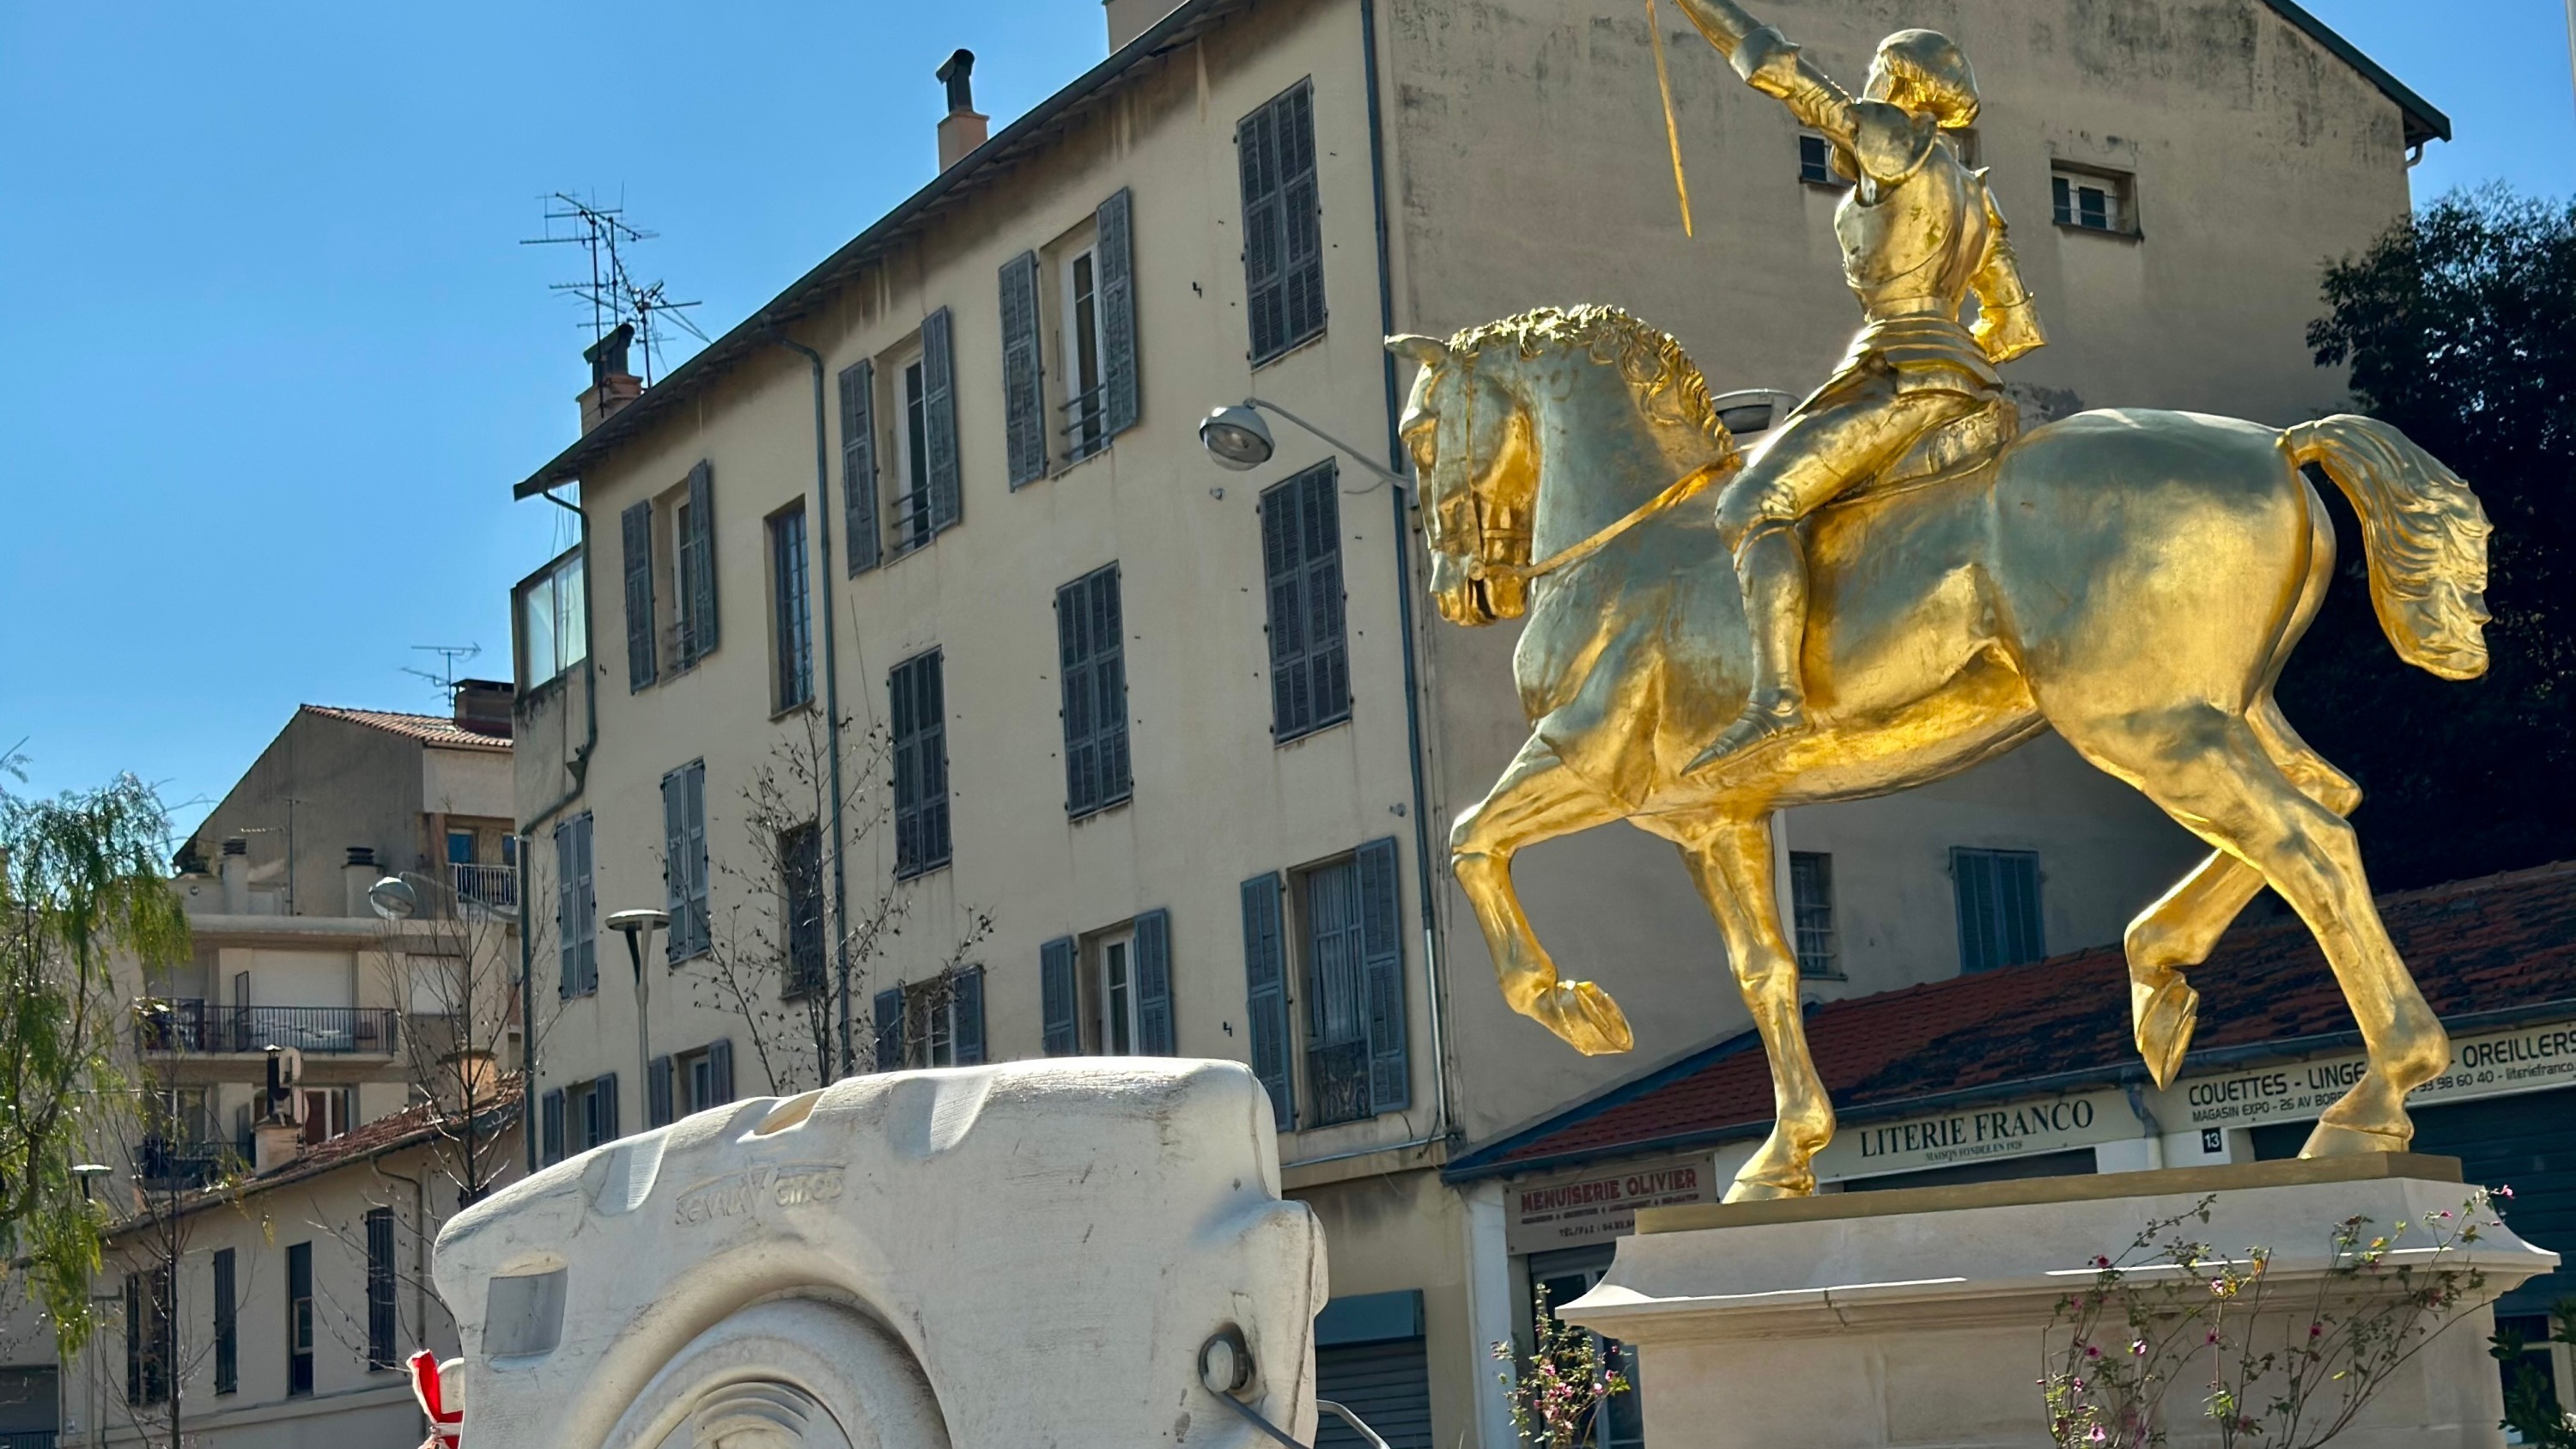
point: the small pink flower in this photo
(2138, 1348)
(2091, 1352)
(2101, 1262)
(2504, 1192)
(2316, 1330)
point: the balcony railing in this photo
(494, 886)
(208, 1027)
(27, 1439)
(1339, 1079)
(162, 1162)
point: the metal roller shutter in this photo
(1386, 1384)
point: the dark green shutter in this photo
(719, 1072)
(1058, 997)
(1382, 975)
(939, 420)
(701, 574)
(227, 1295)
(567, 946)
(1115, 259)
(1301, 552)
(968, 1040)
(1154, 1037)
(1283, 263)
(1997, 893)
(675, 861)
(700, 926)
(1265, 973)
(603, 1106)
(134, 1349)
(1091, 655)
(859, 462)
(657, 1093)
(1024, 410)
(888, 1016)
(550, 1117)
(635, 525)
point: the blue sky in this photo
(270, 356)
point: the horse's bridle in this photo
(1481, 564)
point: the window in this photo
(1816, 161)
(587, 1113)
(576, 910)
(684, 860)
(934, 1023)
(1998, 895)
(550, 1128)
(2093, 200)
(1566, 1275)
(324, 1112)
(1117, 994)
(1301, 552)
(800, 867)
(1811, 899)
(227, 1324)
(1090, 651)
(553, 616)
(1069, 307)
(1348, 960)
(920, 766)
(382, 1328)
(912, 450)
(791, 623)
(1110, 993)
(299, 1319)
(704, 1078)
(669, 551)
(151, 1328)
(920, 415)
(1283, 234)
(460, 847)
(1084, 368)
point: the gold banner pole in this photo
(1673, 132)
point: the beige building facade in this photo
(319, 1088)
(1146, 755)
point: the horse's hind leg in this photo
(2183, 927)
(1537, 799)
(2212, 772)
(1733, 871)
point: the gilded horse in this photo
(2132, 579)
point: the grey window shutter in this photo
(719, 1071)
(968, 1041)
(1115, 254)
(567, 947)
(635, 525)
(888, 1015)
(1265, 974)
(675, 858)
(657, 1093)
(1058, 998)
(700, 933)
(603, 1096)
(702, 572)
(1154, 984)
(585, 907)
(939, 419)
(1301, 552)
(550, 1141)
(1283, 272)
(1024, 407)
(1090, 653)
(1382, 975)
(859, 462)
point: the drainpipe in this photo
(831, 682)
(1434, 977)
(579, 768)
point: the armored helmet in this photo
(1925, 71)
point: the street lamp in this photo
(87, 1173)
(1239, 440)
(637, 927)
(394, 899)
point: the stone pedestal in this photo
(1921, 1319)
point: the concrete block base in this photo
(1922, 1319)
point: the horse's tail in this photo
(2424, 533)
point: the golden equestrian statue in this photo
(1942, 590)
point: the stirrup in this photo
(1755, 727)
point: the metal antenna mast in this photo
(614, 295)
(449, 656)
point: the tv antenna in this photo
(614, 294)
(449, 656)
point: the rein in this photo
(1680, 490)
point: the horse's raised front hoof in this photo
(2166, 1009)
(1585, 1016)
(2329, 1140)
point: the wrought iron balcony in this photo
(205, 1027)
(1338, 1076)
(28, 1438)
(493, 886)
(163, 1162)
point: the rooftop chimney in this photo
(611, 385)
(357, 876)
(963, 128)
(483, 706)
(1131, 18)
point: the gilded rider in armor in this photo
(1919, 232)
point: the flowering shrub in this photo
(1557, 1398)
(2530, 1405)
(2170, 1308)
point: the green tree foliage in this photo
(81, 888)
(2459, 326)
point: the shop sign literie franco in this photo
(2005, 1127)
(2490, 1064)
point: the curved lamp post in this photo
(1237, 438)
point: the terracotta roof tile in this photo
(2492, 944)
(429, 729)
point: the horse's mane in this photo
(1666, 382)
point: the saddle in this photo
(1953, 449)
